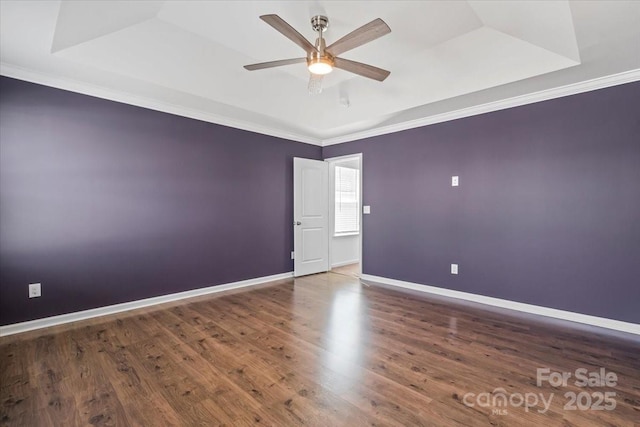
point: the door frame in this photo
(332, 196)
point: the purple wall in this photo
(547, 212)
(104, 202)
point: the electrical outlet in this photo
(293, 255)
(455, 181)
(35, 290)
(454, 268)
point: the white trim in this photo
(46, 322)
(127, 98)
(343, 263)
(144, 102)
(347, 234)
(530, 98)
(602, 322)
(344, 158)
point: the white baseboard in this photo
(343, 263)
(602, 322)
(46, 322)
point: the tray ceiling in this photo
(186, 57)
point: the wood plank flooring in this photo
(352, 270)
(323, 350)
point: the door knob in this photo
(297, 223)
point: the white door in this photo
(310, 216)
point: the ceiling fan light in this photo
(320, 66)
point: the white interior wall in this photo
(345, 250)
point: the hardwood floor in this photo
(352, 270)
(322, 350)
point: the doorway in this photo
(345, 214)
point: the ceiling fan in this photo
(322, 59)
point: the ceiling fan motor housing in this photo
(320, 50)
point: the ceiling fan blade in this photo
(288, 31)
(368, 32)
(271, 64)
(361, 69)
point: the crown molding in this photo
(97, 91)
(543, 95)
(71, 85)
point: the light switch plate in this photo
(35, 290)
(455, 181)
(454, 268)
(366, 210)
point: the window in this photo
(347, 201)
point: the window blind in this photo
(347, 200)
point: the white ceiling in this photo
(447, 59)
